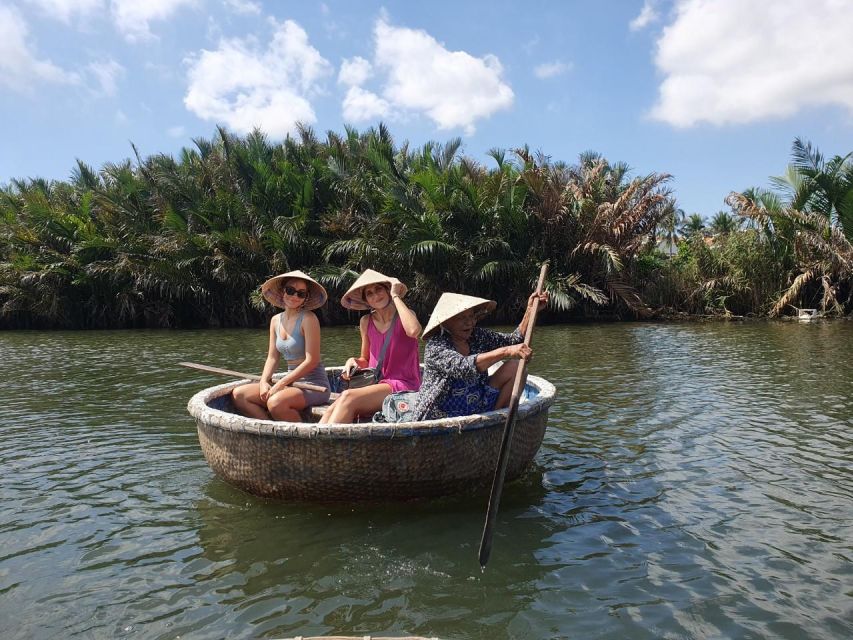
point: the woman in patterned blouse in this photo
(458, 355)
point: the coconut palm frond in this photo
(624, 292)
(334, 278)
(494, 271)
(593, 294)
(560, 299)
(610, 257)
(829, 301)
(792, 294)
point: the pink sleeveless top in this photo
(400, 369)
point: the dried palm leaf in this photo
(792, 294)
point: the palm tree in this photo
(823, 256)
(609, 219)
(724, 223)
(184, 240)
(693, 225)
(673, 218)
(814, 184)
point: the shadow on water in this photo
(408, 567)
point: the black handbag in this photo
(370, 375)
(361, 378)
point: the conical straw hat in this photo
(272, 290)
(354, 297)
(452, 304)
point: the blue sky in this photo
(710, 91)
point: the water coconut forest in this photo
(185, 241)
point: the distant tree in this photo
(724, 223)
(672, 219)
(693, 225)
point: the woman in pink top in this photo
(400, 369)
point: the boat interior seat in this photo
(313, 414)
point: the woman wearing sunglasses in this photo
(295, 335)
(394, 354)
(458, 355)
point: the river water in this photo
(696, 481)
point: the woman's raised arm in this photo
(407, 317)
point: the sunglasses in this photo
(299, 293)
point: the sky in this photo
(712, 92)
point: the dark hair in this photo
(287, 282)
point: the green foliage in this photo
(724, 223)
(813, 184)
(693, 225)
(649, 264)
(818, 254)
(183, 241)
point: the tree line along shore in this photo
(185, 241)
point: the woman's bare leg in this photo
(356, 402)
(247, 400)
(502, 380)
(286, 405)
(324, 419)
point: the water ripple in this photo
(695, 481)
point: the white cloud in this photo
(551, 69)
(106, 74)
(729, 61)
(176, 131)
(243, 6)
(133, 17)
(20, 68)
(214, 31)
(361, 105)
(64, 10)
(354, 72)
(244, 88)
(332, 27)
(648, 14)
(453, 88)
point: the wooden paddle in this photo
(306, 386)
(509, 426)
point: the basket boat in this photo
(305, 461)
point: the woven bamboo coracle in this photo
(303, 461)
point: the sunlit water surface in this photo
(696, 481)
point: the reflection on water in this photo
(695, 481)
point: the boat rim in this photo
(200, 410)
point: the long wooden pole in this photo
(306, 386)
(509, 426)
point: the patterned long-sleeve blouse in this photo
(443, 364)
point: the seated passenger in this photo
(294, 334)
(399, 369)
(458, 355)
